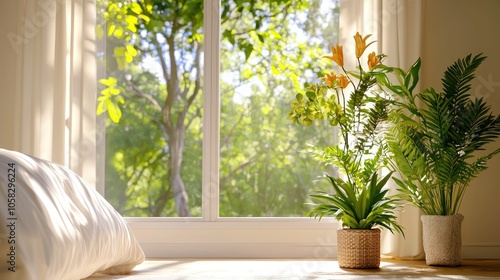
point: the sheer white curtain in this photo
(396, 25)
(53, 110)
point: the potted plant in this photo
(359, 199)
(434, 143)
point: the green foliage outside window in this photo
(154, 130)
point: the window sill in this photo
(236, 237)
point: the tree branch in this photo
(137, 91)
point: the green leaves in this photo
(314, 105)
(457, 78)
(359, 156)
(109, 100)
(412, 76)
(434, 144)
(358, 208)
(136, 8)
(255, 143)
(124, 55)
(121, 20)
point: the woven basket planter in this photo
(442, 239)
(358, 248)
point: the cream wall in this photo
(8, 24)
(453, 29)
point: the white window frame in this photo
(211, 236)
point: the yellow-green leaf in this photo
(119, 51)
(145, 18)
(246, 73)
(99, 32)
(276, 35)
(101, 108)
(131, 22)
(282, 66)
(275, 70)
(118, 32)
(114, 111)
(132, 27)
(128, 57)
(111, 81)
(106, 92)
(102, 97)
(114, 91)
(131, 19)
(131, 50)
(136, 8)
(113, 7)
(111, 29)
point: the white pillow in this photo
(53, 225)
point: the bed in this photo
(55, 226)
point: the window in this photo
(203, 146)
(264, 167)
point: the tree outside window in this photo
(153, 97)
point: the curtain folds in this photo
(396, 25)
(55, 89)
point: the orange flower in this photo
(372, 60)
(361, 44)
(337, 55)
(342, 80)
(329, 79)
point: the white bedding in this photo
(54, 226)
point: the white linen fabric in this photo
(48, 109)
(56, 226)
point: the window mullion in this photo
(211, 116)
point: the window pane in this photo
(267, 53)
(153, 63)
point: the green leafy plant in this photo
(436, 137)
(121, 21)
(359, 199)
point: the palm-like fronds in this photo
(434, 145)
(358, 208)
